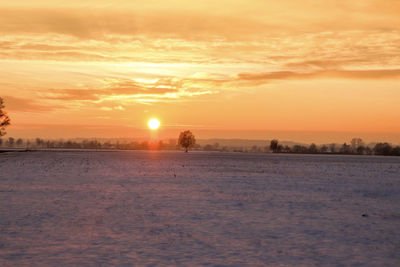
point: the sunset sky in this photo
(293, 69)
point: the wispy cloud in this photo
(17, 104)
(129, 91)
(343, 74)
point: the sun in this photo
(154, 124)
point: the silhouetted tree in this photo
(313, 149)
(355, 143)
(360, 150)
(297, 149)
(287, 149)
(225, 149)
(332, 148)
(368, 150)
(11, 141)
(19, 142)
(274, 145)
(39, 142)
(396, 151)
(186, 140)
(345, 149)
(4, 119)
(280, 148)
(382, 149)
(324, 149)
(28, 144)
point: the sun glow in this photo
(154, 124)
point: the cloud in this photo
(129, 87)
(228, 19)
(342, 74)
(71, 94)
(127, 91)
(324, 64)
(331, 34)
(95, 24)
(115, 93)
(16, 104)
(112, 108)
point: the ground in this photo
(93, 208)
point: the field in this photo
(92, 208)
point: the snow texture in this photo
(93, 208)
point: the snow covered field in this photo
(92, 208)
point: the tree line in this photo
(40, 143)
(355, 147)
(186, 140)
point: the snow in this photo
(121, 208)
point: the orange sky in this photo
(244, 69)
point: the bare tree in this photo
(332, 148)
(19, 142)
(361, 150)
(10, 141)
(274, 145)
(324, 149)
(345, 149)
(355, 143)
(382, 149)
(313, 149)
(4, 119)
(287, 149)
(186, 140)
